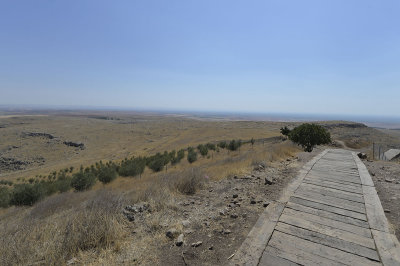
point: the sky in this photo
(315, 57)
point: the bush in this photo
(5, 197)
(192, 155)
(222, 144)
(63, 184)
(202, 149)
(234, 144)
(132, 167)
(157, 162)
(310, 135)
(106, 174)
(179, 156)
(211, 146)
(285, 131)
(26, 194)
(83, 180)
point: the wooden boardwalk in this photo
(330, 215)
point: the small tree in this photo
(26, 194)
(285, 131)
(310, 135)
(252, 141)
(192, 155)
(203, 149)
(106, 174)
(5, 197)
(83, 180)
(222, 144)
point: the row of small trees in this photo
(62, 181)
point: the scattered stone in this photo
(197, 244)
(372, 173)
(179, 241)
(139, 207)
(211, 248)
(227, 232)
(235, 196)
(207, 223)
(75, 144)
(362, 155)
(265, 204)
(253, 201)
(268, 180)
(234, 215)
(185, 223)
(222, 212)
(72, 261)
(387, 210)
(171, 233)
(389, 180)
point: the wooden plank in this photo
(328, 241)
(376, 216)
(363, 171)
(334, 185)
(302, 257)
(327, 230)
(281, 241)
(289, 190)
(388, 247)
(328, 208)
(252, 248)
(268, 259)
(336, 202)
(365, 232)
(332, 192)
(335, 178)
(326, 214)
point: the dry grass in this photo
(51, 239)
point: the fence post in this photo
(373, 150)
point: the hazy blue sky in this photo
(260, 56)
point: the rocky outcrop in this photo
(75, 144)
(39, 134)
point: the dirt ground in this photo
(216, 220)
(386, 177)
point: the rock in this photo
(72, 261)
(222, 212)
(235, 196)
(139, 207)
(268, 180)
(75, 144)
(372, 173)
(130, 216)
(197, 244)
(387, 210)
(211, 248)
(362, 155)
(171, 233)
(179, 241)
(185, 223)
(265, 204)
(235, 177)
(207, 223)
(227, 232)
(389, 180)
(234, 215)
(253, 201)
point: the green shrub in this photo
(83, 180)
(192, 155)
(222, 144)
(179, 156)
(5, 197)
(63, 184)
(211, 146)
(157, 162)
(310, 135)
(285, 131)
(106, 174)
(234, 144)
(26, 194)
(202, 149)
(132, 167)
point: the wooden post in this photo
(373, 150)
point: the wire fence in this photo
(380, 151)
